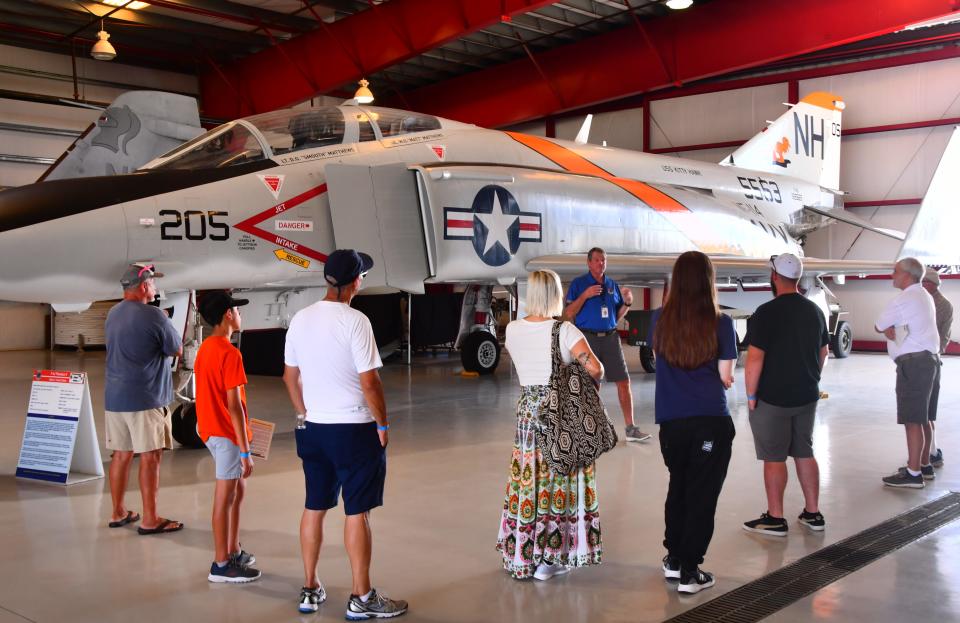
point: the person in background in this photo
(944, 316)
(550, 521)
(696, 349)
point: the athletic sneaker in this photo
(377, 607)
(311, 598)
(903, 479)
(633, 433)
(545, 571)
(937, 459)
(774, 526)
(244, 558)
(671, 567)
(232, 573)
(814, 521)
(695, 581)
(927, 472)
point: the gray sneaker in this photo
(903, 479)
(936, 459)
(311, 598)
(376, 607)
(244, 558)
(927, 472)
(632, 433)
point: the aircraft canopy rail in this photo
(228, 145)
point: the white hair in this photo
(913, 267)
(544, 294)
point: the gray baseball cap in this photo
(137, 274)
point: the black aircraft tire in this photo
(184, 424)
(648, 360)
(480, 353)
(841, 343)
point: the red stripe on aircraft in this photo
(575, 163)
(455, 223)
(529, 227)
(249, 225)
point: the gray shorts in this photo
(935, 394)
(779, 432)
(916, 373)
(610, 353)
(226, 456)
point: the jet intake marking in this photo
(293, 225)
(494, 224)
(249, 226)
(286, 256)
(575, 163)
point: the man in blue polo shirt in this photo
(595, 304)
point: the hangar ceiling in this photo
(491, 62)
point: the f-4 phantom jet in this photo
(257, 204)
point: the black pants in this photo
(697, 452)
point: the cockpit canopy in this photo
(290, 130)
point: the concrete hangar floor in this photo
(434, 538)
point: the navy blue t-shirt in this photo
(698, 392)
(591, 314)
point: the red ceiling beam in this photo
(380, 37)
(709, 40)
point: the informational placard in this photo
(262, 438)
(60, 438)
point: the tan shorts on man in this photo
(138, 431)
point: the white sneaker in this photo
(546, 571)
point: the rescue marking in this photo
(273, 183)
(249, 226)
(290, 257)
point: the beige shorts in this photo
(138, 431)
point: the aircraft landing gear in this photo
(184, 424)
(480, 352)
(841, 342)
(648, 359)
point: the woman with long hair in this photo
(696, 349)
(550, 521)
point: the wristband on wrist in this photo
(384, 427)
(752, 397)
(244, 455)
(628, 304)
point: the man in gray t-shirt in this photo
(140, 341)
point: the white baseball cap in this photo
(932, 276)
(787, 265)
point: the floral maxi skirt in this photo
(547, 517)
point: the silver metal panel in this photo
(376, 210)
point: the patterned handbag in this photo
(575, 429)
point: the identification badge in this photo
(604, 312)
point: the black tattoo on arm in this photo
(584, 358)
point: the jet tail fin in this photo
(804, 143)
(136, 128)
(932, 235)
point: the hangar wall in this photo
(885, 169)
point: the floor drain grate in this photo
(775, 591)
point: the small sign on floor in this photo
(60, 438)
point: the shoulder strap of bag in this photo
(555, 347)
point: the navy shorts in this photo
(342, 456)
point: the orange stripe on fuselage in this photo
(575, 163)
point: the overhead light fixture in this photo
(103, 50)
(127, 4)
(363, 94)
(676, 5)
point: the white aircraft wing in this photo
(845, 217)
(654, 269)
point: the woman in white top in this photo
(550, 521)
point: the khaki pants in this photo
(138, 431)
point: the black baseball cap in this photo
(214, 304)
(345, 265)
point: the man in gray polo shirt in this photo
(931, 283)
(140, 341)
(909, 323)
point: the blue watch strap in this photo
(384, 427)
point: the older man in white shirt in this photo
(910, 325)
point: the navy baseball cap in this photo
(137, 274)
(214, 304)
(345, 265)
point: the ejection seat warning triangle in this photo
(60, 439)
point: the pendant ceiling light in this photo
(679, 4)
(363, 94)
(103, 50)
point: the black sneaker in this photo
(773, 526)
(695, 581)
(671, 567)
(903, 479)
(311, 598)
(936, 459)
(376, 607)
(927, 472)
(232, 573)
(814, 521)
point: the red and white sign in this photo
(440, 151)
(273, 183)
(293, 225)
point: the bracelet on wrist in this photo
(752, 397)
(384, 427)
(244, 455)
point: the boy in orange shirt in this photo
(223, 427)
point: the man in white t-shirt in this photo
(332, 377)
(910, 325)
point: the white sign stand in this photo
(60, 438)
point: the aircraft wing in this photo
(845, 217)
(654, 269)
